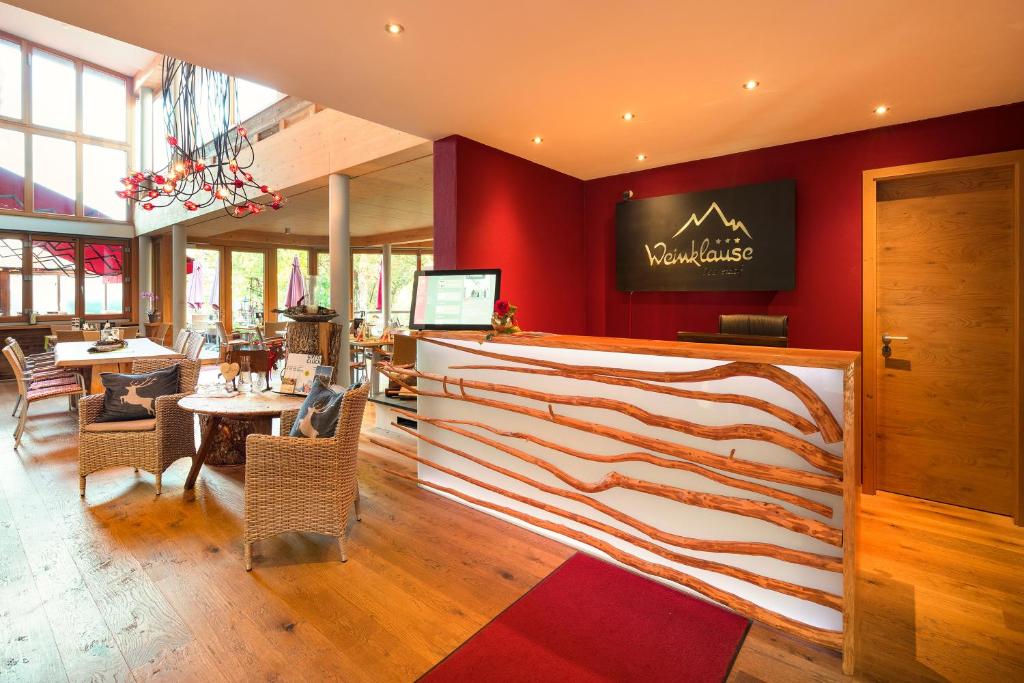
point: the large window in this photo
(285, 262)
(202, 288)
(62, 277)
(64, 142)
(248, 274)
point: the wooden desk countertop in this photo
(814, 358)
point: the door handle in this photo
(887, 340)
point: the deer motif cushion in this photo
(133, 397)
(318, 416)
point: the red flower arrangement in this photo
(504, 318)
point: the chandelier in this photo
(209, 160)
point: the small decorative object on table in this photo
(108, 344)
(504, 318)
(306, 314)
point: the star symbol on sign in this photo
(719, 241)
(737, 240)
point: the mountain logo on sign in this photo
(727, 222)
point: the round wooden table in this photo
(230, 420)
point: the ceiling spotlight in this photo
(750, 85)
(641, 156)
(881, 109)
(537, 139)
(393, 28)
(628, 116)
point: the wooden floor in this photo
(127, 586)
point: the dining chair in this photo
(90, 335)
(194, 345)
(69, 335)
(159, 332)
(30, 392)
(275, 329)
(294, 484)
(181, 340)
(38, 370)
(151, 445)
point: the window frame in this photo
(28, 237)
(25, 125)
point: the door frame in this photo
(871, 178)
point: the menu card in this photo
(299, 371)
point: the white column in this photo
(339, 246)
(145, 278)
(386, 294)
(178, 242)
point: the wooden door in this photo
(942, 409)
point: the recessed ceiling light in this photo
(393, 28)
(641, 156)
(750, 85)
(881, 109)
(537, 139)
(628, 116)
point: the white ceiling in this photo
(77, 42)
(502, 72)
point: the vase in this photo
(153, 316)
(504, 324)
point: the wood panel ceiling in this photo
(394, 199)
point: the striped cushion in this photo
(50, 392)
(53, 382)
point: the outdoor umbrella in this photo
(215, 291)
(194, 296)
(296, 286)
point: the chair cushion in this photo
(146, 425)
(318, 416)
(49, 392)
(53, 382)
(133, 396)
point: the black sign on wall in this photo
(735, 239)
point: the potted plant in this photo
(151, 299)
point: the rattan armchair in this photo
(151, 445)
(295, 484)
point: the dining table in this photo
(77, 355)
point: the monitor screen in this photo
(454, 299)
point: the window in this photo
(102, 168)
(64, 154)
(12, 261)
(10, 79)
(202, 289)
(53, 91)
(252, 98)
(53, 277)
(104, 114)
(103, 278)
(322, 296)
(53, 175)
(285, 259)
(12, 170)
(403, 265)
(247, 277)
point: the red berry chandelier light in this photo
(209, 160)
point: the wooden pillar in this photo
(340, 248)
(144, 278)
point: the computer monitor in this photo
(454, 299)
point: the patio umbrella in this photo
(380, 288)
(194, 296)
(296, 286)
(215, 291)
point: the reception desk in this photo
(726, 471)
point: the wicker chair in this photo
(303, 485)
(31, 391)
(152, 445)
(181, 341)
(194, 345)
(38, 371)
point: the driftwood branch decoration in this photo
(773, 473)
(812, 454)
(639, 456)
(801, 557)
(570, 372)
(831, 432)
(815, 595)
(753, 487)
(767, 512)
(821, 636)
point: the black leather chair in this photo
(754, 324)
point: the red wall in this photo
(553, 235)
(825, 308)
(496, 210)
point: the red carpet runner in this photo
(592, 621)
